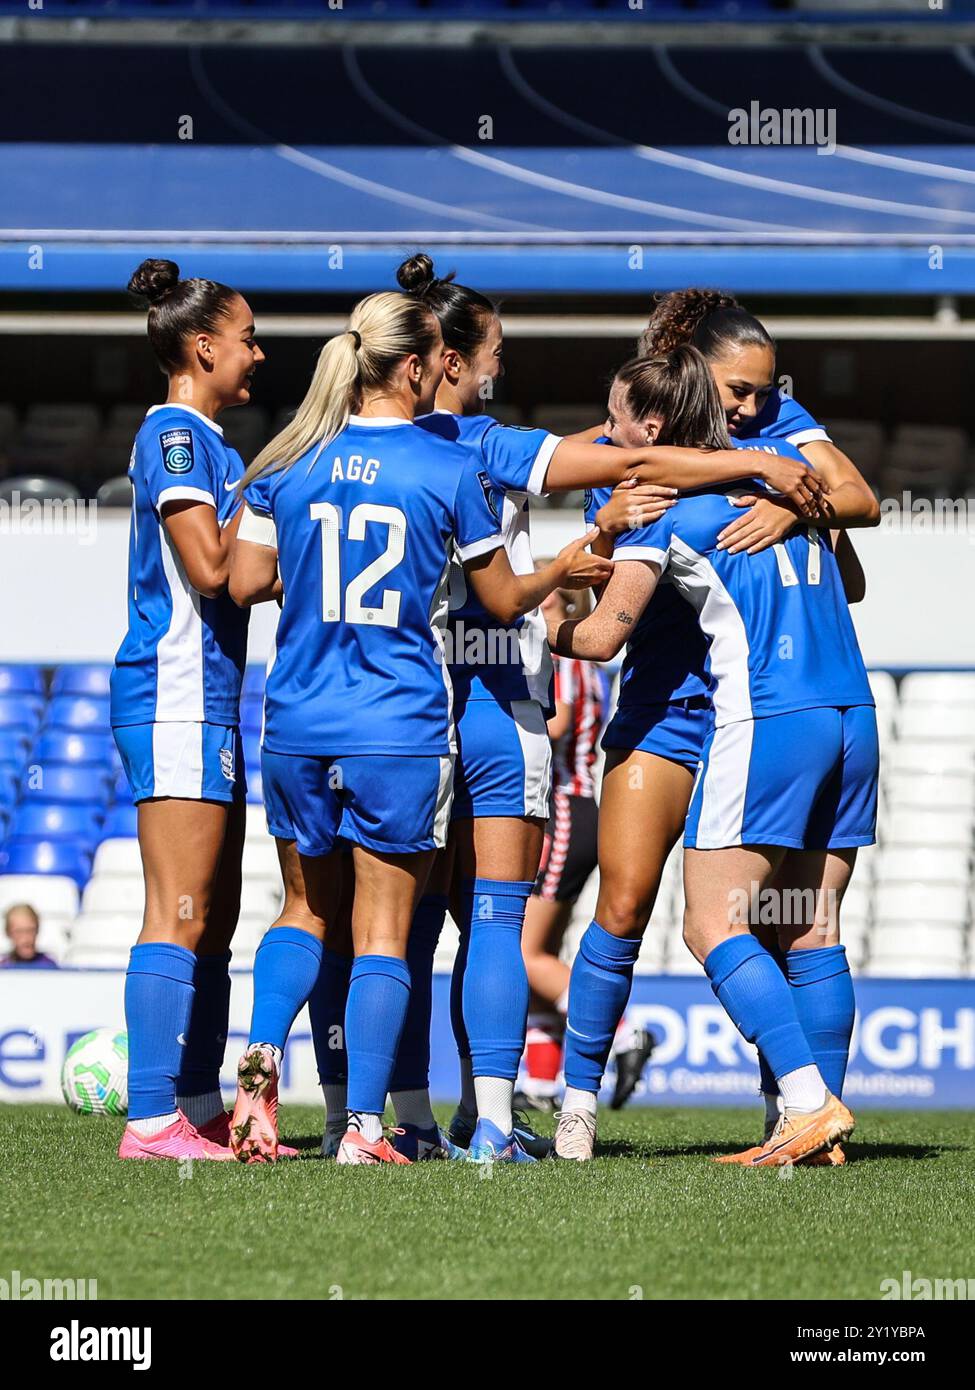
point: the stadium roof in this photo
(611, 171)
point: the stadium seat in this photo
(115, 492)
(921, 904)
(251, 714)
(104, 931)
(254, 678)
(904, 789)
(256, 823)
(90, 678)
(262, 896)
(117, 856)
(934, 759)
(862, 441)
(48, 894)
(937, 723)
(917, 829)
(74, 747)
(919, 965)
(50, 821)
(883, 686)
(78, 712)
(9, 787)
(14, 746)
(115, 893)
(122, 822)
(261, 858)
(938, 688)
(255, 786)
(942, 939)
(929, 866)
(17, 679)
(64, 782)
(62, 857)
(20, 712)
(37, 488)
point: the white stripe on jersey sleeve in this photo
(471, 552)
(536, 478)
(184, 494)
(811, 436)
(259, 529)
(653, 553)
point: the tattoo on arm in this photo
(625, 618)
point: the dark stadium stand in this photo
(925, 460)
(683, 10)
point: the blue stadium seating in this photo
(687, 10)
(52, 820)
(122, 822)
(18, 679)
(73, 746)
(20, 712)
(254, 677)
(14, 746)
(77, 712)
(72, 858)
(64, 783)
(91, 679)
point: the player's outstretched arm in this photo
(508, 595)
(575, 464)
(203, 548)
(603, 633)
(849, 503)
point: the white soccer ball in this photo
(94, 1078)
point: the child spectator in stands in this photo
(22, 924)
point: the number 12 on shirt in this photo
(387, 614)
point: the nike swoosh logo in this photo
(230, 487)
(576, 1034)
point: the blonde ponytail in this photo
(383, 329)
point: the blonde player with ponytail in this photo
(352, 517)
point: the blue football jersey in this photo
(493, 661)
(182, 658)
(779, 632)
(781, 417)
(665, 657)
(365, 534)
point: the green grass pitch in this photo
(651, 1217)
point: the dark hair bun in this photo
(153, 280)
(416, 275)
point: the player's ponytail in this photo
(464, 315)
(383, 329)
(679, 388)
(714, 323)
(178, 309)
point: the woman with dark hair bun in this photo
(175, 714)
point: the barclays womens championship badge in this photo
(177, 450)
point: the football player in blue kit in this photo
(789, 768)
(352, 516)
(175, 708)
(741, 355)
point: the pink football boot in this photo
(178, 1140)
